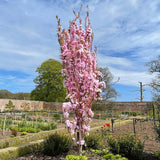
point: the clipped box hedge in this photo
(13, 152)
(10, 142)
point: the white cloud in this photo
(127, 34)
(131, 78)
(104, 61)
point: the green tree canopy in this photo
(49, 82)
(5, 94)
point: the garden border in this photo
(29, 147)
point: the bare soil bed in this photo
(144, 130)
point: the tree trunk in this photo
(80, 138)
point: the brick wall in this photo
(133, 106)
(40, 105)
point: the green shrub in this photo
(57, 116)
(57, 144)
(29, 119)
(22, 124)
(157, 154)
(12, 136)
(39, 119)
(100, 152)
(9, 121)
(93, 141)
(127, 145)
(52, 126)
(31, 130)
(13, 128)
(75, 157)
(23, 133)
(132, 113)
(46, 127)
(110, 156)
(157, 129)
(23, 129)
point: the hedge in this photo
(13, 152)
(10, 142)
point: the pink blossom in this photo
(81, 142)
(90, 112)
(81, 75)
(65, 114)
(86, 128)
(66, 106)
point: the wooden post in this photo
(154, 115)
(141, 91)
(112, 122)
(134, 128)
(141, 124)
(4, 125)
(159, 117)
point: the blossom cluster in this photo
(80, 73)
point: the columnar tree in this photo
(81, 76)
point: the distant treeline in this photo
(5, 94)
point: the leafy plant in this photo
(157, 154)
(33, 130)
(104, 130)
(110, 156)
(75, 157)
(57, 116)
(23, 129)
(131, 113)
(93, 141)
(57, 144)
(14, 132)
(100, 152)
(157, 129)
(23, 133)
(127, 145)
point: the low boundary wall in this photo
(40, 105)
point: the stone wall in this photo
(33, 105)
(40, 105)
(133, 106)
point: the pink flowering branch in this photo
(81, 76)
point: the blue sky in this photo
(126, 33)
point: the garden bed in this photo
(144, 130)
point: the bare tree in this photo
(109, 92)
(154, 68)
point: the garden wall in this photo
(133, 106)
(40, 105)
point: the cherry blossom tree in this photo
(81, 76)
